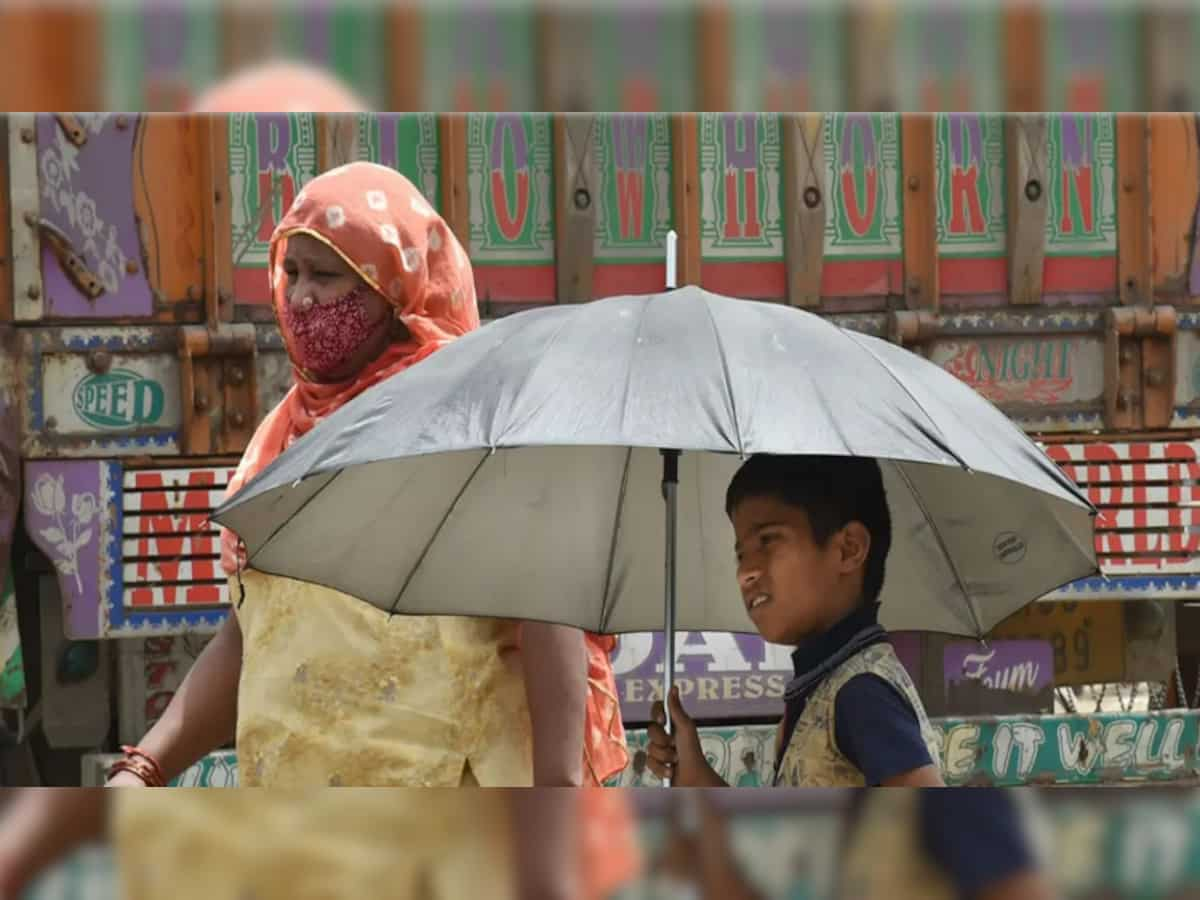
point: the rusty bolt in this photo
(1033, 190)
(27, 135)
(30, 220)
(583, 199)
(914, 284)
(812, 197)
(131, 267)
(99, 361)
(193, 292)
(122, 122)
(913, 182)
(1155, 377)
(238, 418)
(1126, 354)
(1126, 400)
(237, 375)
(1128, 184)
(33, 292)
(201, 402)
(51, 423)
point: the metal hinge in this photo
(219, 387)
(1139, 367)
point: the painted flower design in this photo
(84, 508)
(50, 499)
(49, 496)
(86, 219)
(52, 172)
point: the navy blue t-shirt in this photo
(975, 836)
(875, 727)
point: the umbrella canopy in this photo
(517, 472)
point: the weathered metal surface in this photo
(23, 184)
(994, 750)
(117, 391)
(149, 672)
(126, 402)
(86, 192)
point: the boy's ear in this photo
(855, 546)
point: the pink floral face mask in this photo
(326, 335)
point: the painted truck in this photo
(1047, 261)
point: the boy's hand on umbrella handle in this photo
(678, 755)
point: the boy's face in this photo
(792, 587)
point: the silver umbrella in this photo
(521, 471)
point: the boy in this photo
(812, 538)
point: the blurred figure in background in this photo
(904, 844)
(386, 843)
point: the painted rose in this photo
(49, 498)
(84, 507)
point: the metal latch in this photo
(1139, 367)
(911, 328)
(218, 387)
(72, 262)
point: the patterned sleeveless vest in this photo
(812, 757)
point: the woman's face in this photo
(338, 323)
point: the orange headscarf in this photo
(379, 223)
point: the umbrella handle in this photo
(670, 487)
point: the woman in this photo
(367, 280)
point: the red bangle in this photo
(142, 764)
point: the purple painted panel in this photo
(65, 507)
(908, 647)
(87, 192)
(1023, 666)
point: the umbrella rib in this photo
(605, 610)
(288, 521)
(737, 428)
(937, 535)
(945, 444)
(437, 531)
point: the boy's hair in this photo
(833, 491)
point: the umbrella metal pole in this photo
(670, 486)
